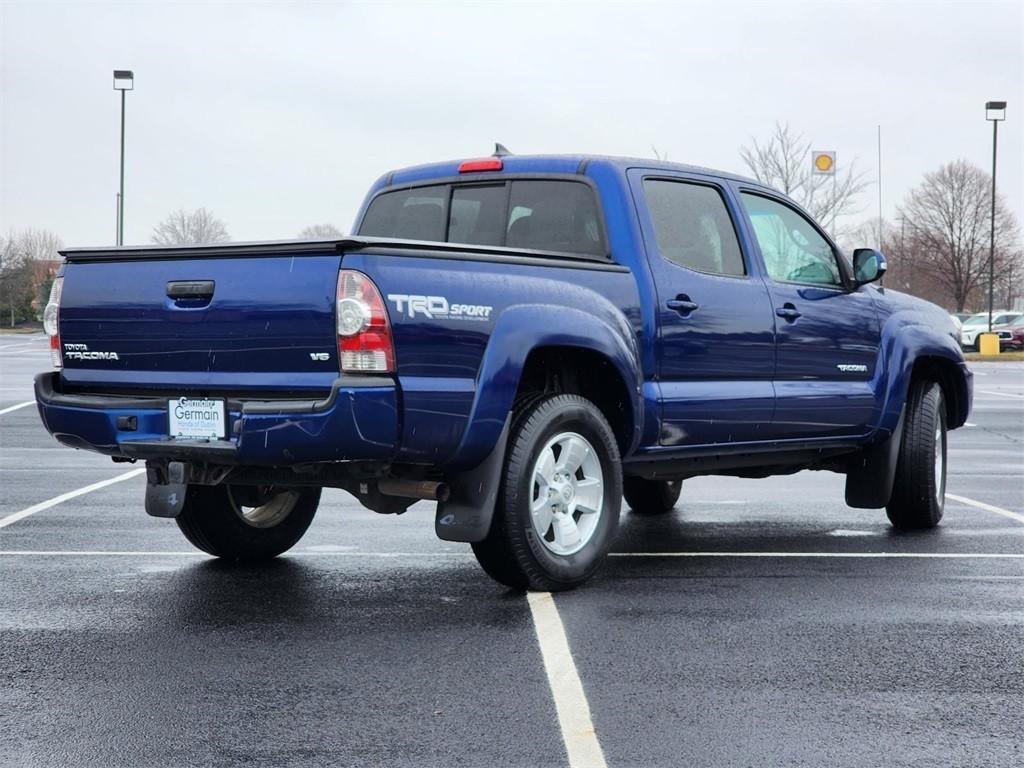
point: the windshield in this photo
(979, 319)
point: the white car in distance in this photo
(978, 323)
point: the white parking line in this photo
(95, 553)
(570, 702)
(16, 407)
(987, 507)
(868, 555)
(1001, 394)
(15, 517)
(467, 555)
(192, 553)
(22, 345)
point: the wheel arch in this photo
(947, 374)
(583, 371)
(534, 343)
(915, 351)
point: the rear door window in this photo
(693, 228)
(535, 214)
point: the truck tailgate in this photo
(240, 323)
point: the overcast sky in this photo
(276, 116)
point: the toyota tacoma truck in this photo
(524, 340)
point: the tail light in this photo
(51, 322)
(364, 334)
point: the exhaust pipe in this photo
(427, 490)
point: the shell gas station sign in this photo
(823, 163)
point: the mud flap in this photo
(467, 514)
(165, 500)
(871, 473)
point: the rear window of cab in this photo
(534, 214)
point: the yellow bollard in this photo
(988, 343)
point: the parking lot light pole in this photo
(994, 111)
(124, 80)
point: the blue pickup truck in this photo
(525, 340)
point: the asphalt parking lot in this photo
(762, 623)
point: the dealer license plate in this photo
(195, 419)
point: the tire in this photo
(651, 497)
(576, 503)
(246, 523)
(919, 491)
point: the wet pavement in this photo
(762, 623)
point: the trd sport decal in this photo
(438, 308)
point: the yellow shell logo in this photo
(823, 163)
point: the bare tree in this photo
(39, 244)
(784, 162)
(320, 231)
(26, 263)
(1010, 280)
(190, 228)
(949, 217)
(15, 281)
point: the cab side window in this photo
(793, 250)
(693, 228)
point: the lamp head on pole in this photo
(995, 110)
(124, 80)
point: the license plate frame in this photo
(196, 418)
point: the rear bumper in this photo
(357, 421)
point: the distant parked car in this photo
(1011, 338)
(957, 321)
(978, 323)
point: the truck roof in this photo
(548, 164)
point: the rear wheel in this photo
(246, 522)
(919, 492)
(558, 508)
(651, 497)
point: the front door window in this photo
(794, 251)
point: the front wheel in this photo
(919, 492)
(246, 522)
(558, 508)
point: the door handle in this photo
(682, 304)
(190, 289)
(788, 312)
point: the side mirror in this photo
(868, 265)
